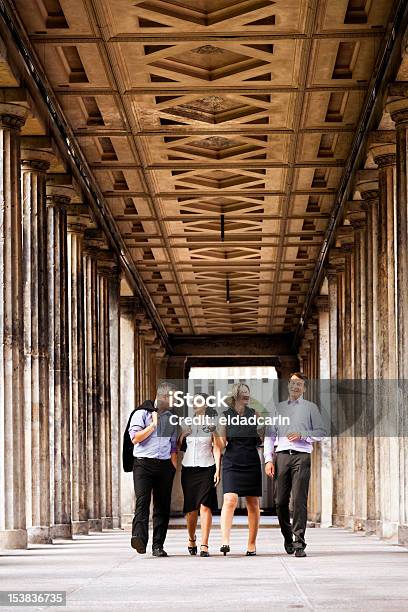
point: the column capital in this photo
(12, 116)
(129, 303)
(336, 260)
(36, 160)
(356, 214)
(367, 185)
(59, 195)
(345, 238)
(398, 109)
(95, 242)
(78, 218)
(108, 264)
(384, 154)
(322, 303)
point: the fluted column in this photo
(384, 156)
(58, 198)
(335, 274)
(13, 532)
(115, 373)
(357, 217)
(35, 163)
(368, 188)
(128, 394)
(346, 241)
(90, 254)
(326, 472)
(78, 220)
(104, 413)
(399, 114)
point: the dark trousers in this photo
(292, 473)
(152, 475)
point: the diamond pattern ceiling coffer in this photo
(205, 12)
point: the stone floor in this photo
(343, 571)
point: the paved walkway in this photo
(343, 571)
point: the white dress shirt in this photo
(305, 418)
(199, 451)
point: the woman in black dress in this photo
(200, 474)
(241, 466)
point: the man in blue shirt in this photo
(154, 465)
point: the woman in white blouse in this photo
(200, 474)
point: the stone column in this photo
(13, 532)
(367, 185)
(104, 412)
(385, 158)
(128, 393)
(335, 275)
(115, 386)
(346, 242)
(78, 220)
(357, 218)
(58, 198)
(35, 163)
(322, 304)
(399, 113)
(90, 254)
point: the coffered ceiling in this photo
(217, 131)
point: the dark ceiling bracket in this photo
(79, 165)
(384, 71)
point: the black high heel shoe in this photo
(251, 553)
(204, 553)
(192, 549)
(225, 549)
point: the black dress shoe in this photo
(251, 553)
(137, 543)
(225, 549)
(204, 553)
(159, 552)
(289, 547)
(300, 552)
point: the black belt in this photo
(291, 451)
(154, 459)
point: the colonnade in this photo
(60, 351)
(357, 332)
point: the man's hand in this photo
(293, 436)
(270, 469)
(216, 478)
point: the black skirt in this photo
(245, 481)
(198, 488)
(241, 465)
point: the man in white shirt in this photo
(291, 468)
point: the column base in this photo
(359, 524)
(80, 527)
(39, 535)
(62, 531)
(371, 526)
(13, 538)
(339, 520)
(403, 535)
(387, 529)
(107, 522)
(126, 520)
(95, 524)
(116, 522)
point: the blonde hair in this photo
(235, 391)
